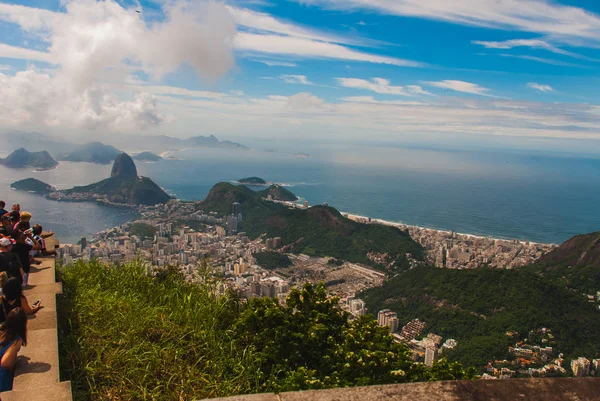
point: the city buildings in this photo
(580, 366)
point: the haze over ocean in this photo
(508, 194)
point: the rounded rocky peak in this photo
(124, 167)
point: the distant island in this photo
(147, 157)
(34, 186)
(122, 188)
(252, 181)
(22, 158)
(95, 152)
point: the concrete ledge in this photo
(37, 375)
(555, 389)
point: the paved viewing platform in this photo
(37, 375)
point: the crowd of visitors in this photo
(20, 244)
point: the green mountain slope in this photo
(478, 307)
(124, 186)
(318, 231)
(22, 158)
(33, 185)
(278, 192)
(252, 181)
(575, 264)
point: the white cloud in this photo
(4, 67)
(542, 60)
(378, 85)
(266, 23)
(97, 41)
(302, 47)
(560, 21)
(237, 92)
(371, 100)
(542, 88)
(274, 115)
(20, 53)
(31, 98)
(382, 85)
(532, 43)
(460, 86)
(304, 101)
(272, 63)
(295, 79)
(176, 91)
(417, 90)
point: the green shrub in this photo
(126, 335)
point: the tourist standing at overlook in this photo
(2, 206)
(13, 335)
(16, 208)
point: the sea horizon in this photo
(543, 198)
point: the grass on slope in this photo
(127, 336)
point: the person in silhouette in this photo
(13, 335)
(2, 206)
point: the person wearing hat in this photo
(9, 261)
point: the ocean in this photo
(542, 197)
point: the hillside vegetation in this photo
(126, 335)
(33, 185)
(575, 264)
(478, 307)
(317, 231)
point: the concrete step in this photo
(32, 291)
(37, 364)
(43, 273)
(56, 392)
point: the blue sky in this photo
(400, 70)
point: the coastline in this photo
(360, 218)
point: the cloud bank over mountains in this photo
(91, 66)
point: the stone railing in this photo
(560, 389)
(37, 376)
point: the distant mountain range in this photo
(105, 152)
(94, 152)
(22, 158)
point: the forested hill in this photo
(318, 231)
(478, 307)
(574, 264)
